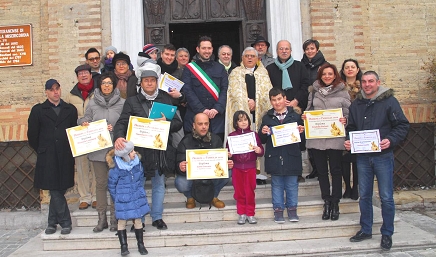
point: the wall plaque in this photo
(15, 45)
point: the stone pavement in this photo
(11, 240)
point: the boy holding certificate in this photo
(283, 163)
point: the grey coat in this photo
(98, 109)
(337, 98)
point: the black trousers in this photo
(326, 160)
(58, 212)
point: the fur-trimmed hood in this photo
(110, 158)
(382, 93)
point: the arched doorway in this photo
(222, 33)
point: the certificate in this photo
(365, 141)
(148, 133)
(242, 143)
(206, 164)
(285, 134)
(91, 138)
(324, 124)
(166, 81)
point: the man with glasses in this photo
(261, 46)
(79, 96)
(225, 54)
(293, 78)
(92, 57)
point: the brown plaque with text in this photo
(15, 45)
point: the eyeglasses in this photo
(83, 72)
(249, 56)
(107, 83)
(121, 64)
(94, 59)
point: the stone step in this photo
(213, 233)
(177, 212)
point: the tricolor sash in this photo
(204, 79)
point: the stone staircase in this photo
(214, 232)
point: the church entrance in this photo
(222, 33)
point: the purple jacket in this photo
(246, 160)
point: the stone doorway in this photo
(222, 33)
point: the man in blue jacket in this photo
(375, 107)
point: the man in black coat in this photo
(54, 169)
(140, 105)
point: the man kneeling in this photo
(200, 138)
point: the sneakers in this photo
(360, 236)
(278, 216)
(251, 220)
(218, 203)
(292, 214)
(190, 203)
(386, 242)
(242, 219)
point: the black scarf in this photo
(316, 61)
(167, 68)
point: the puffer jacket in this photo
(282, 160)
(192, 141)
(99, 109)
(127, 189)
(246, 160)
(338, 97)
(383, 112)
(75, 98)
(199, 98)
(134, 107)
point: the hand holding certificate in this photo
(285, 134)
(148, 133)
(324, 124)
(91, 138)
(365, 141)
(206, 164)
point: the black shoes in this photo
(66, 230)
(386, 242)
(50, 229)
(334, 207)
(301, 179)
(327, 210)
(159, 224)
(360, 236)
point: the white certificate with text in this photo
(148, 133)
(365, 141)
(285, 134)
(242, 143)
(91, 138)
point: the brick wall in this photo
(62, 32)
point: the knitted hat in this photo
(121, 56)
(49, 84)
(148, 48)
(110, 48)
(82, 67)
(124, 153)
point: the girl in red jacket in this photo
(244, 169)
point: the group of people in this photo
(218, 100)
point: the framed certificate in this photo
(365, 141)
(88, 139)
(285, 134)
(242, 143)
(206, 164)
(148, 133)
(324, 124)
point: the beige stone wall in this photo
(392, 37)
(62, 32)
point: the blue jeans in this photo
(157, 195)
(184, 186)
(281, 184)
(382, 167)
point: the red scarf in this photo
(85, 89)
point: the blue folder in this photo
(157, 108)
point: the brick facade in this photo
(393, 38)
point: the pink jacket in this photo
(246, 160)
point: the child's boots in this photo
(140, 238)
(122, 236)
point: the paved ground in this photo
(11, 240)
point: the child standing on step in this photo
(284, 163)
(244, 170)
(126, 187)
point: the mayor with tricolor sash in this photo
(206, 83)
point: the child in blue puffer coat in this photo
(126, 186)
